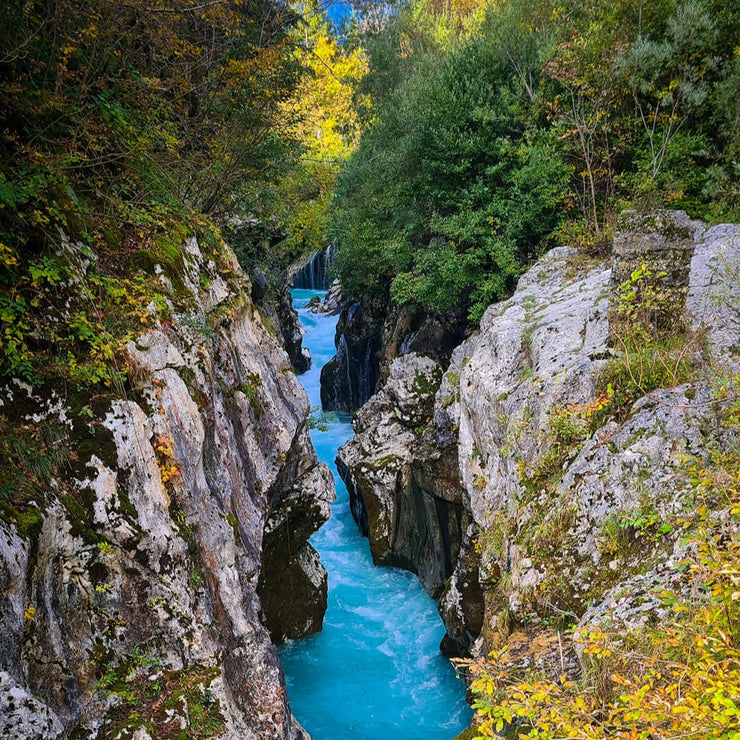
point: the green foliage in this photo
(31, 456)
(493, 130)
(325, 122)
(647, 356)
(320, 420)
(120, 123)
(142, 693)
(449, 193)
(251, 389)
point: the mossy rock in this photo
(468, 734)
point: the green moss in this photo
(32, 455)
(140, 694)
(79, 514)
(251, 389)
(234, 523)
(269, 325)
(381, 463)
(29, 523)
(99, 442)
(188, 376)
(125, 505)
(425, 385)
(654, 222)
(180, 521)
(169, 256)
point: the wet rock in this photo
(290, 334)
(410, 329)
(313, 273)
(461, 605)
(332, 303)
(276, 309)
(350, 377)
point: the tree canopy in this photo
(497, 129)
(127, 125)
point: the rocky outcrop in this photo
(662, 244)
(403, 485)
(566, 538)
(332, 303)
(350, 377)
(564, 502)
(136, 581)
(371, 333)
(290, 334)
(278, 314)
(411, 329)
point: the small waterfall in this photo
(315, 273)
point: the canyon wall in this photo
(519, 460)
(130, 587)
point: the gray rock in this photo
(403, 486)
(663, 241)
(22, 717)
(332, 303)
(350, 377)
(150, 560)
(713, 301)
(542, 348)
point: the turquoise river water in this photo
(375, 671)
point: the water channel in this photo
(375, 671)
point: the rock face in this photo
(403, 486)
(350, 377)
(371, 334)
(276, 309)
(562, 544)
(663, 242)
(290, 334)
(145, 567)
(332, 303)
(554, 507)
(315, 272)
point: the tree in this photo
(326, 125)
(668, 79)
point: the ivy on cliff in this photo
(120, 123)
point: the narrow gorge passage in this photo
(375, 671)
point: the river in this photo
(375, 671)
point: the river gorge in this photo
(375, 669)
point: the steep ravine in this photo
(131, 609)
(374, 671)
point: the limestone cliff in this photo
(371, 333)
(565, 498)
(401, 491)
(129, 586)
